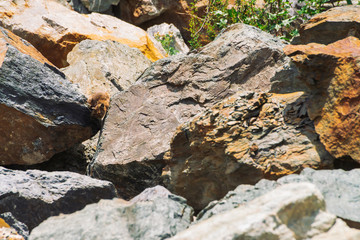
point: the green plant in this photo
(167, 42)
(273, 17)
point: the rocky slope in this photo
(237, 140)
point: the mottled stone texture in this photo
(241, 140)
(331, 26)
(104, 66)
(333, 74)
(54, 29)
(293, 211)
(34, 195)
(155, 218)
(142, 120)
(41, 112)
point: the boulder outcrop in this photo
(41, 112)
(142, 120)
(34, 195)
(104, 66)
(241, 140)
(157, 218)
(333, 74)
(330, 26)
(292, 211)
(52, 31)
(340, 190)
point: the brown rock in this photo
(333, 74)
(331, 26)
(41, 112)
(142, 120)
(241, 140)
(54, 29)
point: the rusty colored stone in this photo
(54, 29)
(331, 26)
(241, 140)
(333, 74)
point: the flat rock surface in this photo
(157, 218)
(33, 196)
(142, 120)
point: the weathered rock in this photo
(99, 5)
(339, 231)
(167, 29)
(241, 140)
(33, 196)
(19, 227)
(332, 73)
(8, 233)
(53, 32)
(331, 26)
(39, 107)
(340, 190)
(75, 5)
(293, 211)
(142, 120)
(157, 218)
(150, 194)
(104, 66)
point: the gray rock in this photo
(293, 211)
(33, 196)
(41, 112)
(169, 29)
(158, 218)
(99, 5)
(341, 190)
(106, 66)
(20, 227)
(142, 120)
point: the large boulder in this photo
(54, 29)
(332, 73)
(331, 26)
(106, 66)
(33, 196)
(340, 190)
(292, 211)
(160, 217)
(142, 120)
(41, 112)
(241, 140)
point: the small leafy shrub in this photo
(274, 17)
(167, 42)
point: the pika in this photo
(99, 104)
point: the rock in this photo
(168, 29)
(9, 233)
(107, 66)
(330, 26)
(332, 73)
(241, 140)
(293, 211)
(142, 120)
(33, 196)
(340, 190)
(150, 194)
(339, 231)
(75, 5)
(157, 218)
(53, 32)
(147, 13)
(99, 5)
(39, 107)
(19, 227)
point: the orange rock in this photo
(240, 141)
(331, 26)
(333, 74)
(54, 29)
